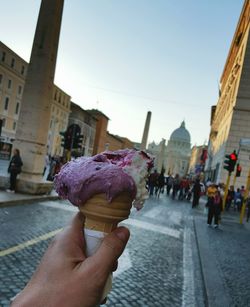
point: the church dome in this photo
(181, 134)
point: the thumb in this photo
(111, 249)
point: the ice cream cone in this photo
(101, 217)
(104, 216)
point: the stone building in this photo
(174, 157)
(158, 151)
(13, 71)
(197, 160)
(178, 151)
(105, 140)
(60, 110)
(87, 123)
(230, 118)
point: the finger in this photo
(71, 238)
(104, 301)
(111, 248)
(115, 266)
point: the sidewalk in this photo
(224, 256)
(10, 199)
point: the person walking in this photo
(214, 209)
(152, 182)
(196, 193)
(169, 181)
(176, 185)
(237, 200)
(230, 197)
(15, 168)
(160, 183)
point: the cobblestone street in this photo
(159, 267)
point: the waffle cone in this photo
(104, 216)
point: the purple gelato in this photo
(84, 177)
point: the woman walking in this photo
(214, 209)
(14, 169)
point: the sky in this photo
(128, 57)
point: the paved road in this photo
(160, 266)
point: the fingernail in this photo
(122, 233)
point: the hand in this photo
(65, 277)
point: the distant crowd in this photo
(181, 188)
(191, 189)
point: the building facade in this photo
(60, 110)
(13, 71)
(105, 140)
(197, 160)
(158, 151)
(178, 151)
(87, 124)
(230, 118)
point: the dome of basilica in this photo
(181, 134)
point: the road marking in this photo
(62, 206)
(148, 226)
(21, 246)
(153, 212)
(188, 275)
(176, 217)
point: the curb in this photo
(201, 266)
(27, 200)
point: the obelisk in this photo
(34, 118)
(145, 131)
(160, 160)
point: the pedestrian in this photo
(176, 185)
(230, 197)
(214, 209)
(237, 200)
(15, 168)
(152, 182)
(52, 167)
(196, 193)
(160, 183)
(170, 181)
(46, 163)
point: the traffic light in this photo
(66, 139)
(238, 170)
(63, 134)
(230, 162)
(77, 143)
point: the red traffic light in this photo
(233, 157)
(238, 170)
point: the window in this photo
(55, 96)
(9, 83)
(12, 63)
(3, 56)
(1, 78)
(17, 108)
(3, 122)
(14, 126)
(6, 104)
(22, 70)
(19, 89)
